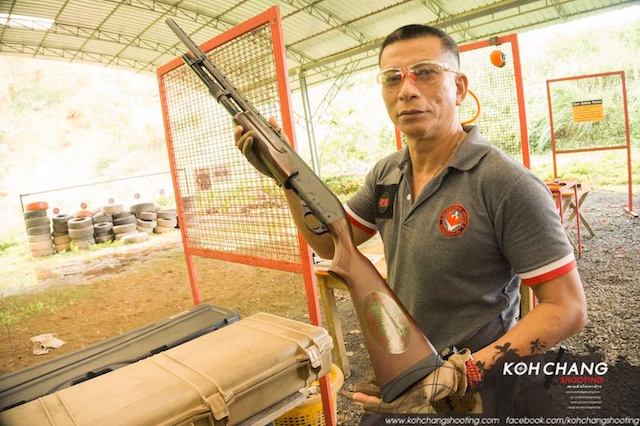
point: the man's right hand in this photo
(244, 142)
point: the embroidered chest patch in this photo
(454, 220)
(385, 195)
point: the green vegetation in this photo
(344, 186)
(4, 245)
(14, 309)
(165, 202)
(352, 144)
(33, 98)
(563, 53)
(603, 168)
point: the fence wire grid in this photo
(229, 207)
(499, 119)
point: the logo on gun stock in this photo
(453, 220)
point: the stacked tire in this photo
(103, 227)
(124, 223)
(61, 238)
(81, 232)
(38, 227)
(167, 221)
(146, 217)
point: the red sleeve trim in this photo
(361, 226)
(550, 275)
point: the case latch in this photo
(218, 406)
(314, 356)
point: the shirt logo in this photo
(383, 202)
(385, 196)
(453, 220)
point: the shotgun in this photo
(400, 353)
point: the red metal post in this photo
(553, 133)
(191, 270)
(398, 139)
(524, 134)
(628, 139)
(626, 146)
(310, 284)
(513, 39)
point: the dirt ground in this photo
(89, 298)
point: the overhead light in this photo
(21, 21)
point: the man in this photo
(462, 224)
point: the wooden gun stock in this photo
(400, 353)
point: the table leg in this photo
(577, 210)
(527, 300)
(332, 321)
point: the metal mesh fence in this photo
(499, 120)
(588, 112)
(229, 207)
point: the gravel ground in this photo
(610, 270)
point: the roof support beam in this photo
(463, 17)
(159, 17)
(102, 35)
(4, 27)
(63, 53)
(314, 78)
(314, 9)
(347, 23)
(99, 25)
(436, 8)
(561, 12)
(203, 20)
(44, 37)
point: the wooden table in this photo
(558, 188)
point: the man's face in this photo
(418, 108)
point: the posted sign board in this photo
(587, 111)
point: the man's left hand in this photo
(442, 391)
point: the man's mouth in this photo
(409, 112)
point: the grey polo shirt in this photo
(457, 254)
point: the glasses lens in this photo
(390, 77)
(426, 73)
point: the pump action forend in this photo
(400, 353)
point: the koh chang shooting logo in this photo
(568, 372)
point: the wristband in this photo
(474, 375)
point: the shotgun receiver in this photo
(400, 353)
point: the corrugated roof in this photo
(325, 37)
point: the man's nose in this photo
(408, 88)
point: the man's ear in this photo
(462, 85)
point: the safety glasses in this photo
(422, 73)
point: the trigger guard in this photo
(318, 230)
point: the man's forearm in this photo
(560, 314)
(544, 327)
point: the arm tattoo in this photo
(504, 350)
(537, 346)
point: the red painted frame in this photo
(271, 17)
(517, 70)
(627, 146)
